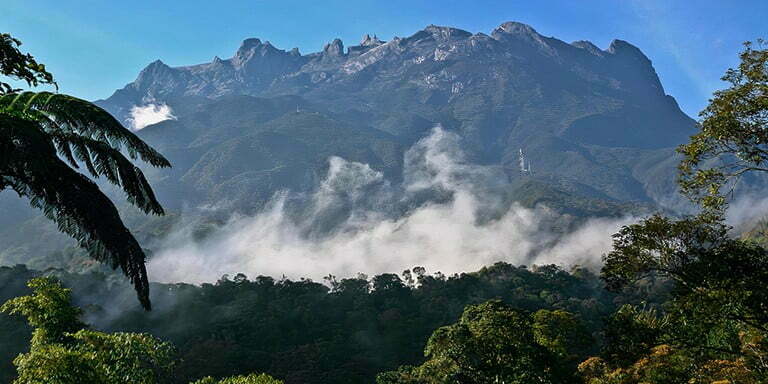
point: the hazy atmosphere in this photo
(447, 236)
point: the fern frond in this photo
(86, 134)
(103, 160)
(71, 200)
(83, 118)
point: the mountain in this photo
(594, 126)
(586, 117)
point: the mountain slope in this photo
(568, 106)
(593, 125)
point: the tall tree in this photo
(719, 308)
(250, 379)
(45, 137)
(21, 66)
(64, 351)
(491, 343)
(733, 137)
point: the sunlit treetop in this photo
(733, 137)
(20, 66)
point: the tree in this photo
(563, 334)
(630, 333)
(717, 277)
(663, 365)
(717, 318)
(719, 307)
(63, 351)
(644, 347)
(491, 343)
(21, 66)
(250, 379)
(733, 139)
(45, 137)
(47, 310)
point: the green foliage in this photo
(61, 351)
(304, 332)
(97, 358)
(715, 324)
(250, 379)
(491, 343)
(44, 137)
(630, 333)
(47, 310)
(662, 245)
(719, 296)
(562, 334)
(642, 346)
(663, 365)
(733, 137)
(717, 278)
(54, 363)
(20, 66)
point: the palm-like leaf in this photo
(38, 133)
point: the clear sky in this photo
(94, 47)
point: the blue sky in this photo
(95, 47)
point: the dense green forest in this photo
(307, 332)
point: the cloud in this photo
(746, 211)
(449, 216)
(148, 114)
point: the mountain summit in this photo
(592, 121)
(578, 128)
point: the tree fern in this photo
(44, 137)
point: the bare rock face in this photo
(334, 49)
(366, 44)
(369, 41)
(589, 118)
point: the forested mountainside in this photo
(585, 130)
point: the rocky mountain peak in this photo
(636, 69)
(254, 45)
(589, 47)
(569, 106)
(366, 44)
(522, 36)
(249, 44)
(369, 41)
(514, 28)
(446, 33)
(155, 69)
(623, 48)
(334, 48)
(253, 48)
(155, 66)
(156, 79)
(438, 64)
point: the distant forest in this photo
(307, 332)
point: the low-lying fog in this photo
(464, 223)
